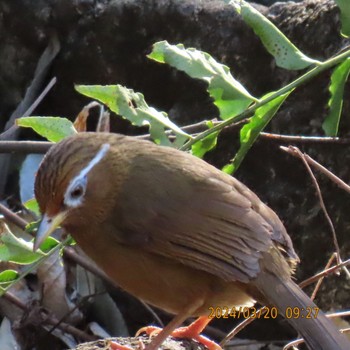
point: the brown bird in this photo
(173, 231)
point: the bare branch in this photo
(40, 147)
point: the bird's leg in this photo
(190, 332)
(162, 334)
(194, 330)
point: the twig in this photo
(338, 314)
(49, 319)
(316, 277)
(285, 89)
(40, 147)
(152, 312)
(318, 166)
(13, 217)
(308, 160)
(319, 282)
(196, 128)
(241, 326)
(293, 344)
(37, 101)
(11, 132)
(304, 139)
(297, 152)
(30, 99)
(84, 300)
(301, 341)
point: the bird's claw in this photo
(151, 331)
(181, 333)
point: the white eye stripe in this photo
(81, 181)
(98, 157)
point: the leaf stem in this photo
(250, 110)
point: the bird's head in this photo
(70, 185)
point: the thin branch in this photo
(339, 314)
(301, 341)
(84, 300)
(318, 166)
(41, 147)
(37, 101)
(308, 160)
(304, 139)
(327, 272)
(13, 217)
(30, 101)
(242, 325)
(285, 89)
(319, 194)
(319, 282)
(196, 128)
(10, 132)
(49, 319)
(25, 146)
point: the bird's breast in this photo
(161, 281)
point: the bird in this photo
(174, 231)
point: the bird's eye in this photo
(77, 192)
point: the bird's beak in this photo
(47, 226)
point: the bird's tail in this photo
(318, 332)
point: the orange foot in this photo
(190, 332)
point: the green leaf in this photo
(229, 95)
(33, 206)
(32, 227)
(132, 106)
(49, 244)
(250, 132)
(344, 7)
(7, 277)
(52, 128)
(16, 249)
(335, 103)
(276, 43)
(200, 148)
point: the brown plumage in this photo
(173, 230)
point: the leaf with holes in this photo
(132, 106)
(286, 54)
(229, 95)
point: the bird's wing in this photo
(209, 221)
